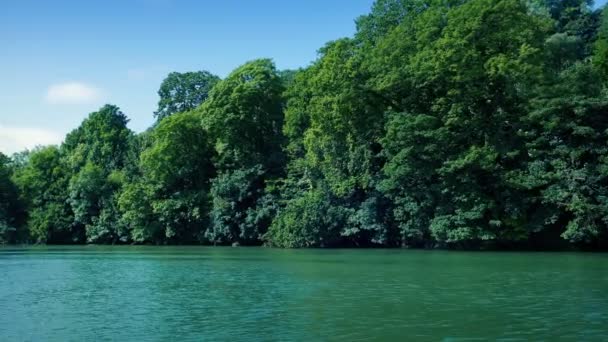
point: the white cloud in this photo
(15, 139)
(72, 93)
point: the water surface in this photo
(256, 294)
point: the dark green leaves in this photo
(441, 123)
(182, 92)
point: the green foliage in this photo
(572, 16)
(445, 167)
(346, 120)
(287, 76)
(183, 92)
(244, 117)
(600, 54)
(235, 195)
(388, 14)
(440, 123)
(137, 214)
(414, 149)
(174, 188)
(308, 221)
(179, 156)
(567, 140)
(93, 200)
(96, 153)
(103, 139)
(11, 210)
(43, 185)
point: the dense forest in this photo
(440, 123)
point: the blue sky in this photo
(62, 59)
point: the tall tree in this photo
(244, 118)
(600, 53)
(97, 153)
(177, 168)
(566, 172)
(466, 71)
(454, 123)
(182, 92)
(11, 210)
(335, 123)
(43, 185)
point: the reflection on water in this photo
(198, 293)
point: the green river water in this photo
(255, 294)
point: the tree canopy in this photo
(182, 92)
(439, 123)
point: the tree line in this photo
(440, 123)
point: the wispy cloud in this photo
(73, 93)
(15, 139)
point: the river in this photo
(96, 293)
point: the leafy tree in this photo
(600, 56)
(334, 123)
(440, 123)
(135, 205)
(97, 152)
(174, 189)
(308, 221)
(11, 210)
(134, 200)
(103, 139)
(414, 148)
(43, 186)
(346, 120)
(386, 15)
(567, 170)
(571, 16)
(287, 76)
(234, 200)
(182, 92)
(93, 199)
(244, 118)
(465, 82)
